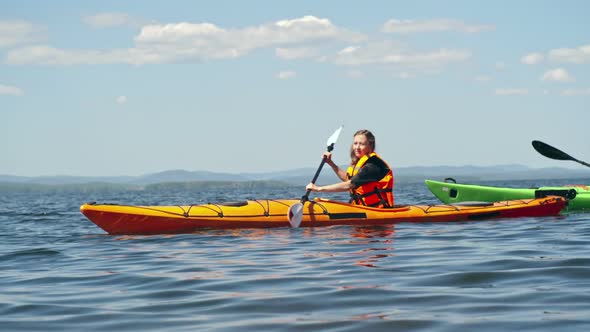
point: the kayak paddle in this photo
(554, 153)
(296, 210)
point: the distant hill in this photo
(489, 173)
(185, 176)
(303, 175)
(153, 178)
(64, 179)
(461, 173)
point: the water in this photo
(59, 272)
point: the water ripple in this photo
(59, 272)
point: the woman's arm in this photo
(331, 188)
(341, 174)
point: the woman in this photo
(368, 178)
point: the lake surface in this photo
(60, 272)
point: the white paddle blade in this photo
(334, 136)
(295, 214)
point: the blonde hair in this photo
(370, 139)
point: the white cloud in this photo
(349, 50)
(576, 92)
(483, 78)
(557, 75)
(532, 58)
(121, 100)
(500, 65)
(47, 55)
(394, 54)
(107, 20)
(295, 53)
(11, 90)
(511, 92)
(412, 26)
(286, 74)
(300, 38)
(206, 40)
(14, 33)
(190, 42)
(578, 55)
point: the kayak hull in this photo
(127, 219)
(449, 193)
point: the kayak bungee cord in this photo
(209, 206)
(264, 204)
(483, 205)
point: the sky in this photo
(105, 88)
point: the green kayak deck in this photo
(449, 192)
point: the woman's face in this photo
(360, 146)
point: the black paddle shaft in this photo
(305, 197)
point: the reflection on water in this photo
(369, 232)
(379, 241)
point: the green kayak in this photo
(450, 192)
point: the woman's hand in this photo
(328, 157)
(312, 187)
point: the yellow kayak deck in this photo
(268, 213)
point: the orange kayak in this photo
(127, 219)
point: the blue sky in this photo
(134, 87)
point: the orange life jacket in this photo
(375, 194)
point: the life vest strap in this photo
(382, 201)
(359, 198)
